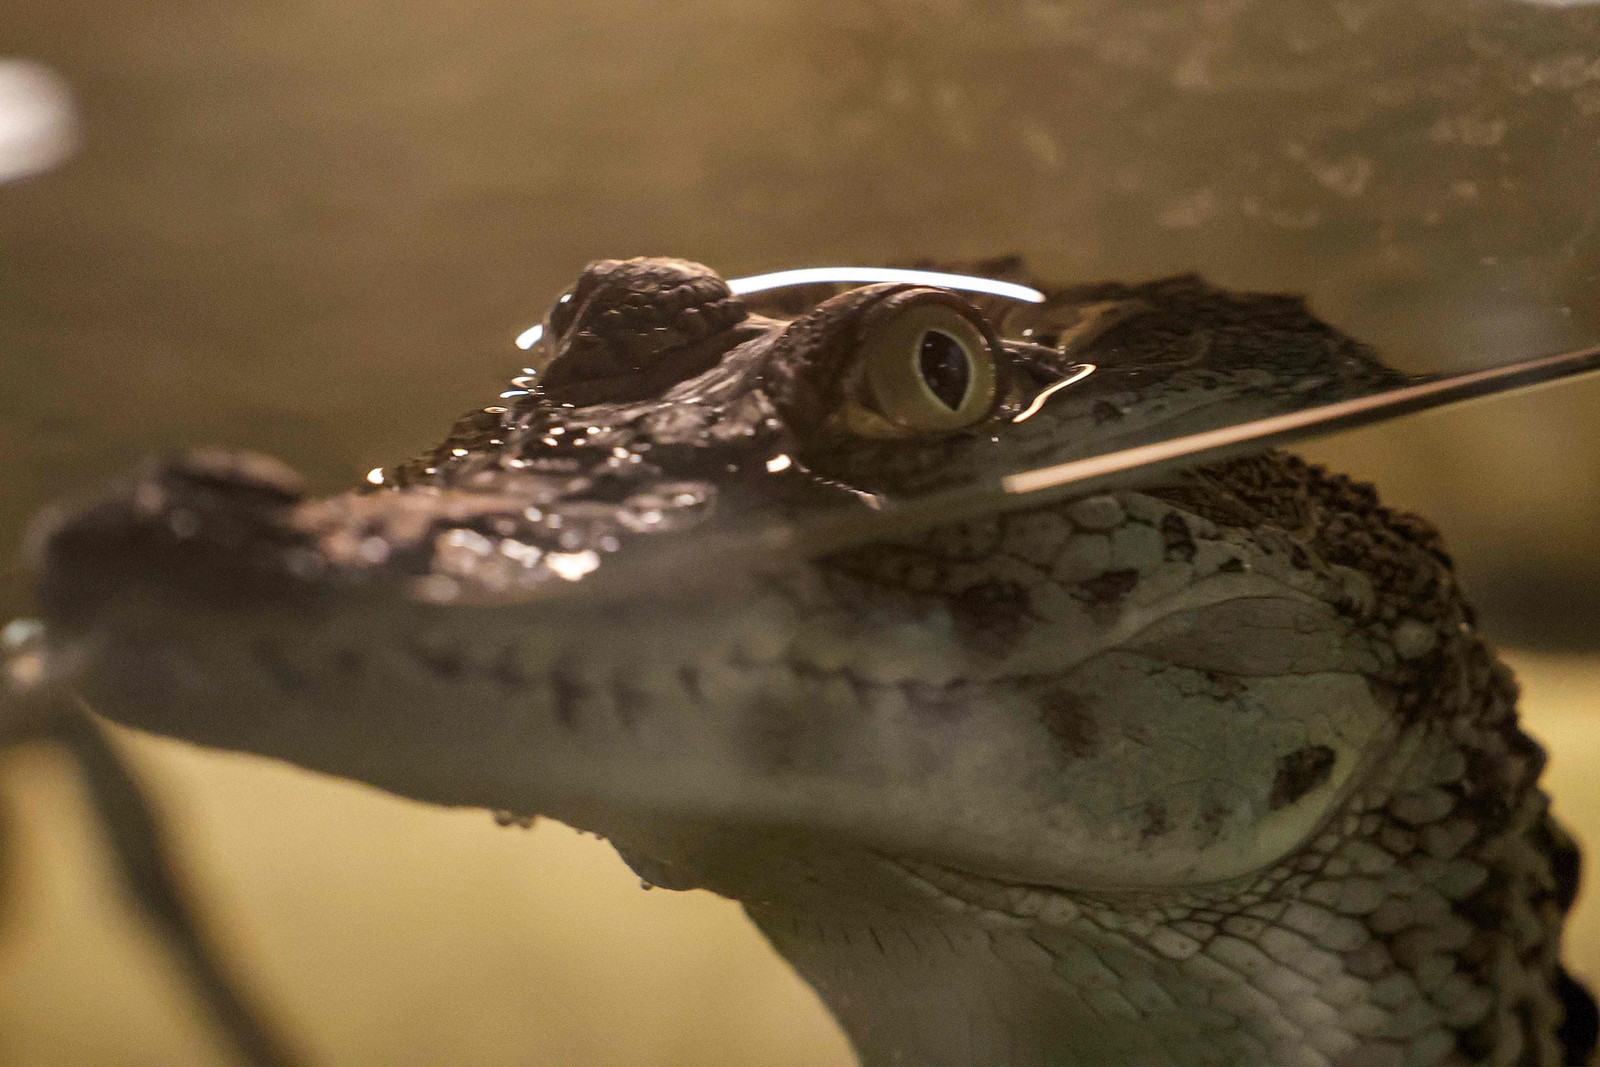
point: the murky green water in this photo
(313, 230)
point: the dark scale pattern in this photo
(1299, 773)
(1421, 923)
(1417, 922)
(1473, 874)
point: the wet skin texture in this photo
(1209, 769)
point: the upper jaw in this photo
(207, 632)
(215, 524)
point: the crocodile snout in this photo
(245, 476)
(205, 523)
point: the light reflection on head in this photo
(783, 279)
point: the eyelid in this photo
(895, 389)
(783, 279)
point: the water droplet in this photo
(470, 540)
(641, 520)
(572, 565)
(525, 554)
(511, 818)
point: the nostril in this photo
(196, 521)
(209, 498)
(245, 477)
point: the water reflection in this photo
(808, 276)
(1184, 372)
(288, 241)
(1074, 376)
(38, 123)
(274, 230)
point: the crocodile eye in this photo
(928, 368)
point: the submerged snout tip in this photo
(179, 491)
(244, 474)
(35, 677)
(192, 519)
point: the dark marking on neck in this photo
(1299, 773)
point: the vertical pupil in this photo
(944, 366)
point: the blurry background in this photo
(312, 229)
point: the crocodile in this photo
(1207, 767)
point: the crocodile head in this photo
(1209, 769)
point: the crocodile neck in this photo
(1420, 925)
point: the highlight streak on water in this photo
(783, 279)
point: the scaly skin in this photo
(1419, 923)
(1210, 769)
